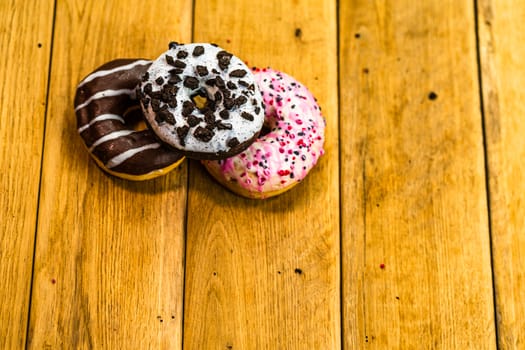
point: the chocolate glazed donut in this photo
(106, 108)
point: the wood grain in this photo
(416, 249)
(25, 41)
(415, 243)
(265, 274)
(502, 38)
(109, 255)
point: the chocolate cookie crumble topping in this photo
(247, 116)
(224, 58)
(203, 134)
(224, 114)
(191, 82)
(193, 120)
(182, 54)
(233, 142)
(238, 73)
(197, 51)
(182, 132)
(202, 70)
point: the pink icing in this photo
(293, 145)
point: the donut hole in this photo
(139, 126)
(135, 119)
(270, 122)
(201, 100)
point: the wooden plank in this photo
(25, 42)
(242, 287)
(416, 250)
(502, 39)
(109, 255)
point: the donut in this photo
(107, 111)
(287, 151)
(202, 100)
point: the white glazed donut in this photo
(281, 158)
(225, 124)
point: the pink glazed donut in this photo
(281, 157)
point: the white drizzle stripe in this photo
(121, 158)
(106, 93)
(99, 118)
(102, 73)
(109, 137)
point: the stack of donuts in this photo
(257, 131)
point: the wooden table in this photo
(408, 235)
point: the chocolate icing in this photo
(118, 86)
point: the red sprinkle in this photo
(283, 172)
(281, 150)
(382, 266)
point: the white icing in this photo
(111, 136)
(102, 73)
(121, 158)
(242, 129)
(106, 93)
(99, 118)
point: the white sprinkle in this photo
(106, 93)
(101, 118)
(109, 137)
(102, 73)
(119, 159)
